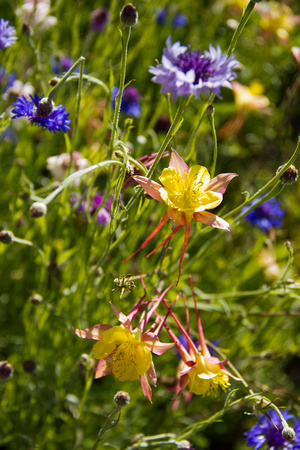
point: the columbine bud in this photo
(288, 434)
(122, 398)
(36, 299)
(129, 15)
(29, 366)
(289, 176)
(38, 209)
(45, 107)
(6, 237)
(6, 370)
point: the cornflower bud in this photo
(289, 176)
(36, 299)
(6, 237)
(45, 107)
(288, 434)
(129, 15)
(6, 370)
(38, 209)
(122, 398)
(29, 366)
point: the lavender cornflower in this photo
(103, 216)
(129, 104)
(183, 72)
(267, 435)
(266, 216)
(7, 32)
(63, 64)
(42, 114)
(179, 21)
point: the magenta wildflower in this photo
(184, 72)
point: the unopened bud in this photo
(288, 434)
(185, 445)
(36, 299)
(129, 15)
(289, 176)
(6, 370)
(122, 398)
(29, 366)
(6, 237)
(26, 30)
(38, 209)
(53, 81)
(45, 107)
(210, 110)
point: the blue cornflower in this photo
(183, 342)
(98, 19)
(129, 104)
(183, 72)
(42, 114)
(267, 435)
(179, 21)
(7, 32)
(266, 216)
(161, 17)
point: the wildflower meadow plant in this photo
(89, 187)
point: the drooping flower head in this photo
(53, 119)
(188, 193)
(130, 101)
(203, 373)
(269, 435)
(183, 72)
(126, 352)
(266, 216)
(7, 34)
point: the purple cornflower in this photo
(267, 435)
(129, 104)
(161, 17)
(179, 21)
(42, 114)
(7, 32)
(184, 72)
(63, 64)
(98, 19)
(6, 81)
(103, 216)
(266, 216)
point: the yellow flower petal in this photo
(205, 378)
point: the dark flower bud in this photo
(129, 15)
(122, 398)
(45, 107)
(6, 237)
(26, 30)
(98, 19)
(289, 176)
(163, 124)
(38, 209)
(288, 434)
(29, 366)
(53, 81)
(6, 370)
(210, 110)
(36, 299)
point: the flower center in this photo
(196, 61)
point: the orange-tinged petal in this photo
(220, 182)
(146, 388)
(177, 162)
(212, 220)
(154, 344)
(151, 187)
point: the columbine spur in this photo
(7, 32)
(183, 72)
(55, 119)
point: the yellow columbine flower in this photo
(188, 193)
(129, 355)
(205, 377)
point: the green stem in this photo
(211, 118)
(109, 423)
(79, 94)
(114, 134)
(62, 81)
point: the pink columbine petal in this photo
(103, 368)
(212, 220)
(188, 366)
(94, 332)
(146, 388)
(220, 182)
(151, 374)
(177, 162)
(121, 317)
(154, 344)
(151, 187)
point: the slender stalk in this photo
(110, 422)
(79, 94)
(210, 110)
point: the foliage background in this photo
(57, 406)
